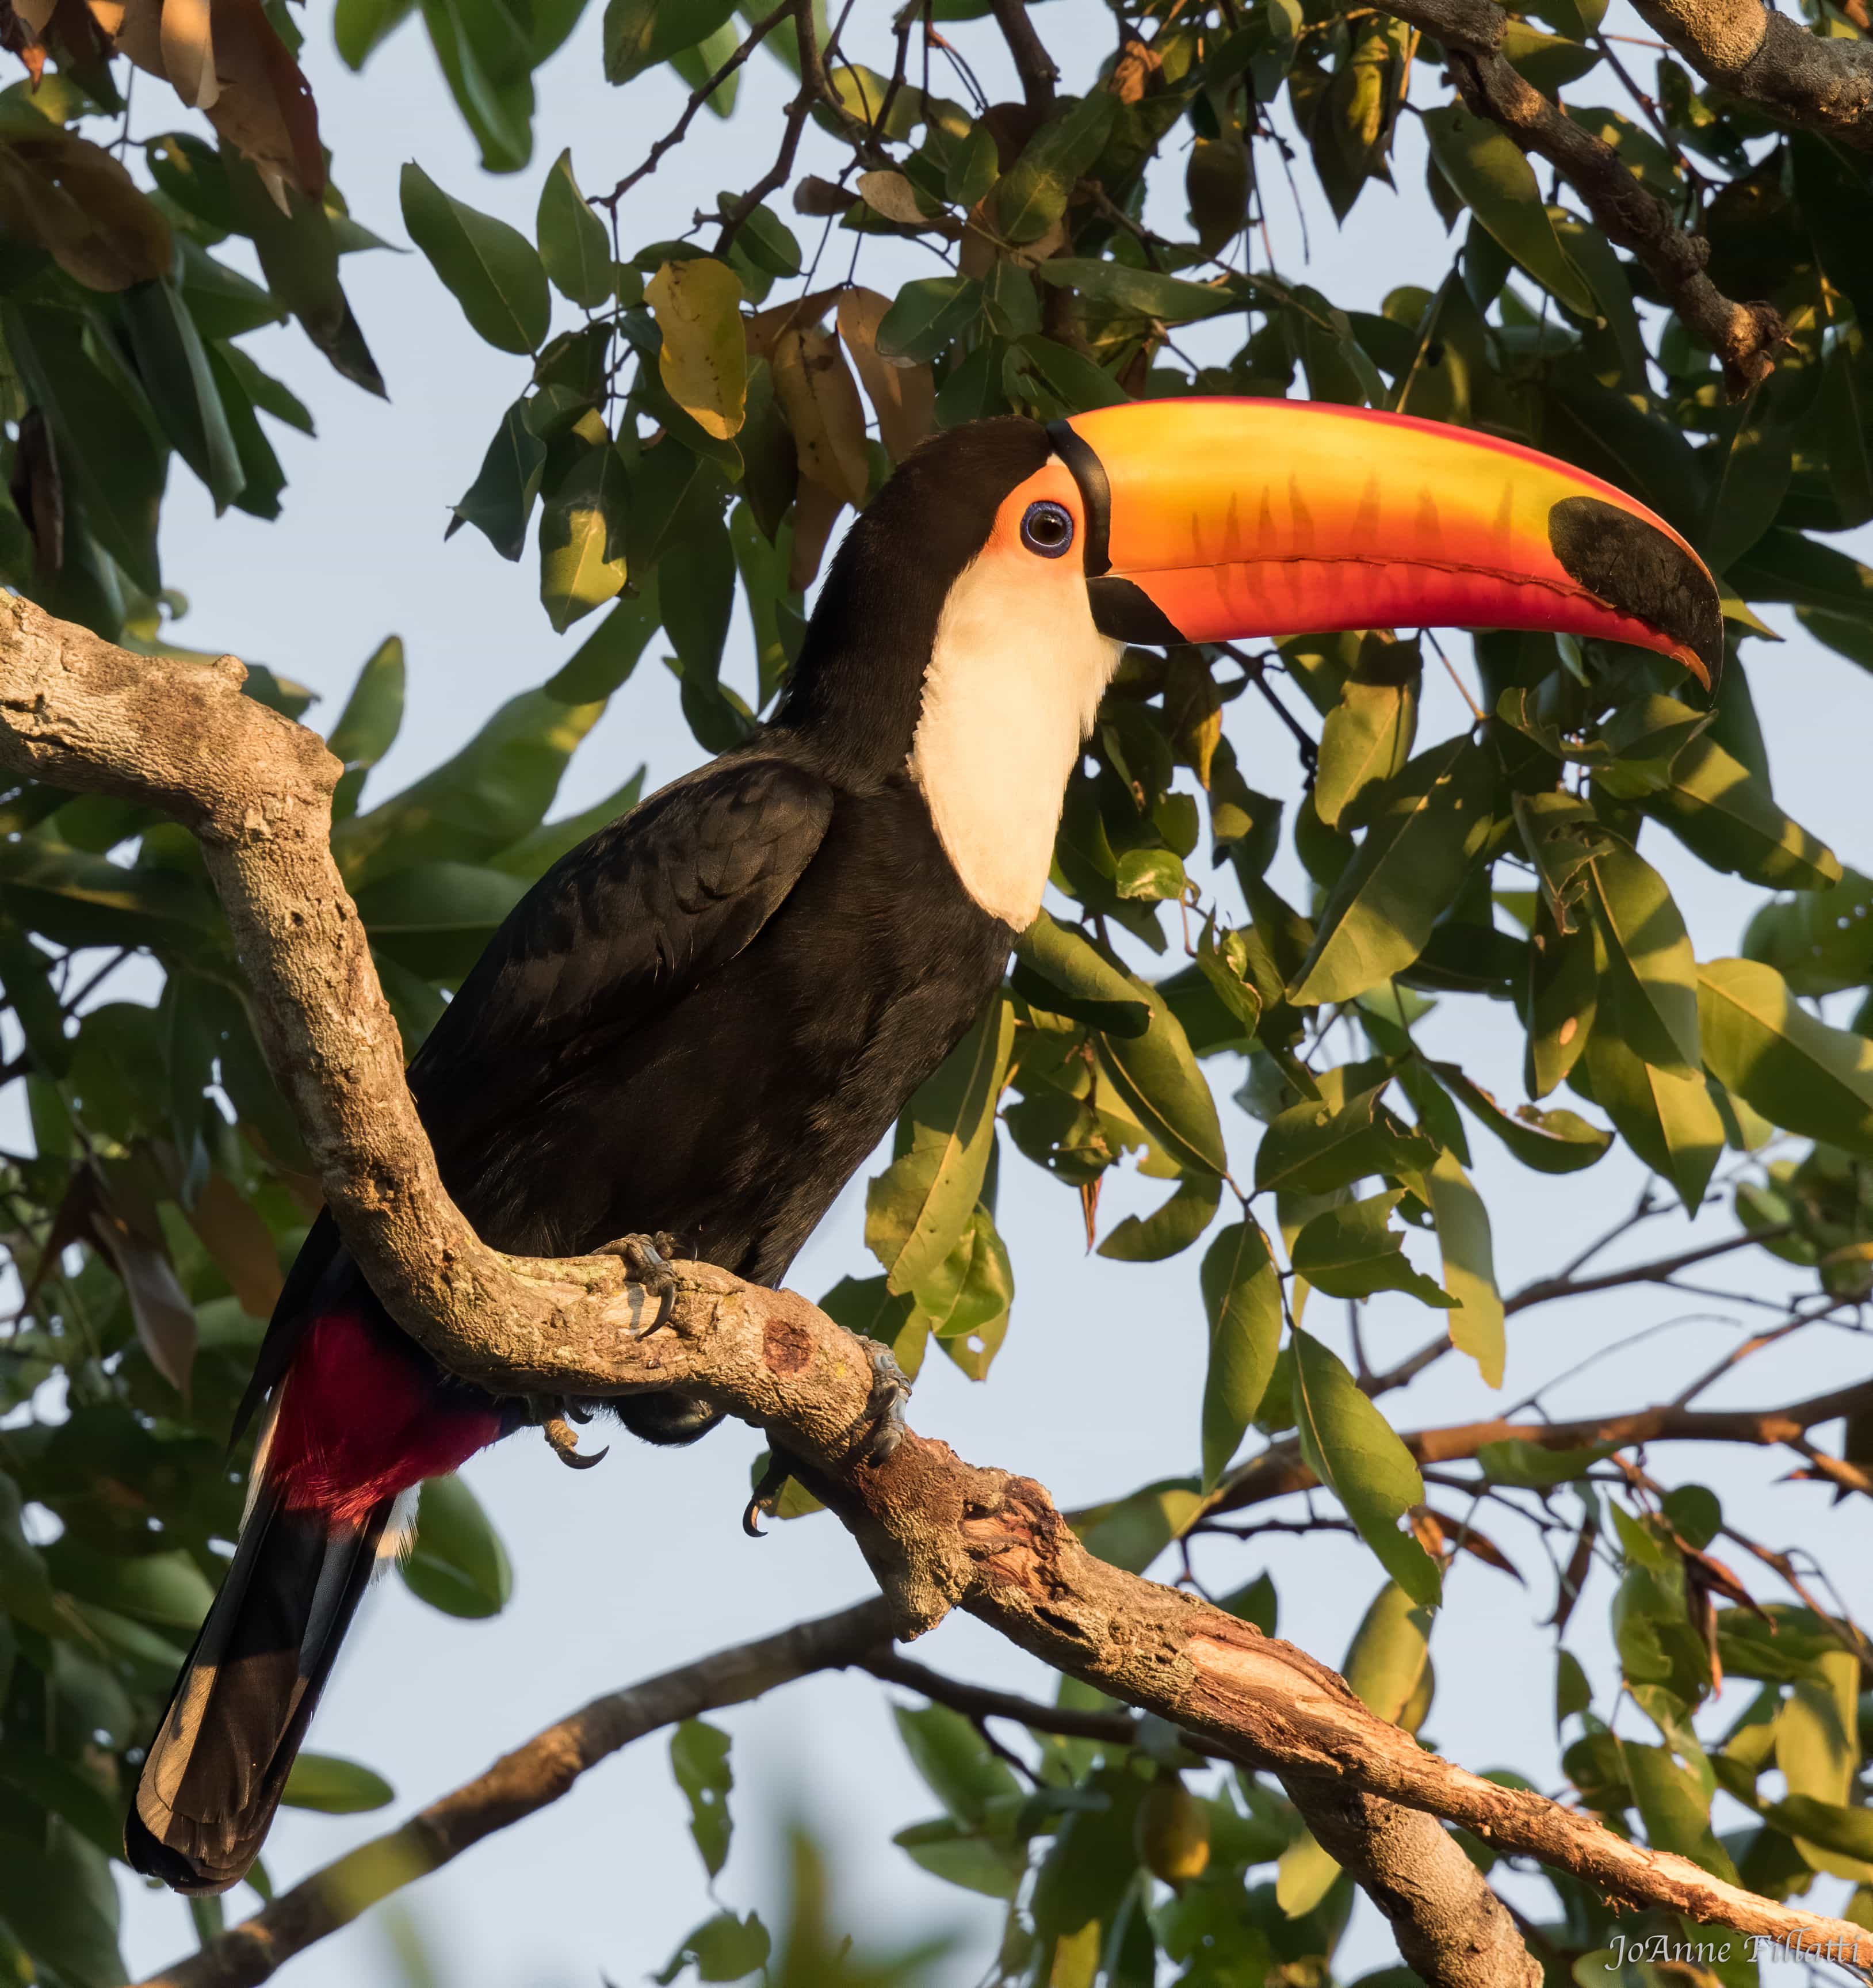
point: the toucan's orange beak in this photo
(1225, 518)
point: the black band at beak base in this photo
(1095, 493)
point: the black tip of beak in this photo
(1635, 568)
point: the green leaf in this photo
(574, 248)
(1132, 1531)
(1138, 293)
(1820, 942)
(1426, 826)
(926, 315)
(1517, 1461)
(1668, 1118)
(490, 269)
(1492, 175)
(1367, 738)
(1303, 1876)
(955, 1762)
(1034, 192)
(639, 33)
(1675, 1808)
(1242, 1297)
(58, 1900)
(26, 1587)
(104, 447)
(484, 52)
(976, 1860)
(1552, 1142)
(697, 586)
(1389, 1653)
(581, 537)
(1802, 1075)
(699, 1759)
(609, 653)
(1351, 1447)
(1721, 812)
(1470, 1267)
(360, 26)
(1314, 1147)
(499, 502)
(173, 364)
(299, 257)
(335, 1787)
(1171, 1228)
(1648, 967)
(458, 1563)
(918, 1209)
(723, 1949)
(1353, 1251)
(1155, 1074)
(539, 849)
(696, 66)
(477, 802)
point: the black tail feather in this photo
(218, 1763)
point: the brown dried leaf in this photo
(821, 197)
(187, 37)
(763, 328)
(819, 400)
(233, 1233)
(893, 196)
(73, 199)
(165, 1318)
(265, 107)
(1137, 72)
(816, 510)
(903, 397)
(38, 491)
(34, 15)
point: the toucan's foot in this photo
(560, 1434)
(767, 1493)
(883, 1427)
(646, 1260)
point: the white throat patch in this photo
(1007, 706)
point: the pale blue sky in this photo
(641, 1563)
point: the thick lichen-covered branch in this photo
(939, 1533)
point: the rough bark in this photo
(1750, 51)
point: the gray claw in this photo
(885, 1428)
(646, 1260)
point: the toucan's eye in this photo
(1047, 528)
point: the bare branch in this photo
(1750, 51)
(1279, 1470)
(1037, 68)
(1744, 336)
(519, 1784)
(679, 130)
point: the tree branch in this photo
(938, 1533)
(1037, 68)
(1279, 1470)
(1743, 336)
(1750, 51)
(519, 1785)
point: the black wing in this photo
(615, 932)
(621, 927)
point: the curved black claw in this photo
(646, 1260)
(766, 1493)
(883, 1427)
(559, 1433)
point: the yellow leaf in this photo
(697, 306)
(819, 399)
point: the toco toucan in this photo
(705, 1018)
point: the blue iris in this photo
(1048, 529)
